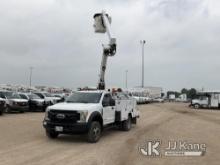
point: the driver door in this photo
(108, 109)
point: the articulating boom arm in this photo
(102, 25)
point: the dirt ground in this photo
(23, 140)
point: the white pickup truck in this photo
(90, 112)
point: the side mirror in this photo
(112, 102)
(105, 103)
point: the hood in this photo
(56, 98)
(19, 100)
(38, 100)
(73, 106)
(195, 101)
(52, 98)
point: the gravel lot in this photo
(23, 140)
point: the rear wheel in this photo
(94, 132)
(1, 112)
(52, 134)
(126, 125)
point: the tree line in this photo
(190, 93)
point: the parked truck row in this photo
(22, 102)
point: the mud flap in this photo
(134, 120)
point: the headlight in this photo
(47, 102)
(14, 103)
(47, 114)
(83, 116)
(39, 103)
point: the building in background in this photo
(151, 92)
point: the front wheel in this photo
(126, 125)
(7, 109)
(52, 134)
(196, 106)
(94, 132)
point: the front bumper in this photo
(35, 107)
(2, 107)
(68, 128)
(18, 108)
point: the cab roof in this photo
(92, 91)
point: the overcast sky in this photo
(57, 38)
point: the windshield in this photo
(33, 96)
(11, 95)
(203, 98)
(48, 95)
(83, 97)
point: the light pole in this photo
(31, 69)
(142, 45)
(126, 79)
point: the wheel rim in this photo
(7, 109)
(96, 132)
(196, 106)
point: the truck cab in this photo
(200, 101)
(89, 112)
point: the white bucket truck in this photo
(89, 112)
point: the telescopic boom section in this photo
(102, 25)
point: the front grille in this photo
(22, 103)
(58, 116)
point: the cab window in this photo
(23, 96)
(40, 95)
(106, 100)
(2, 95)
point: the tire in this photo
(52, 134)
(134, 120)
(94, 132)
(7, 109)
(1, 112)
(21, 111)
(196, 106)
(126, 125)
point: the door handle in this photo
(113, 108)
